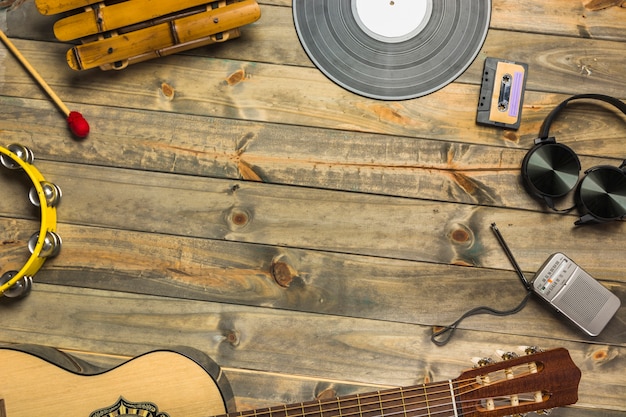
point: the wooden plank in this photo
(375, 352)
(356, 223)
(568, 18)
(296, 155)
(293, 279)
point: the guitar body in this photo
(38, 381)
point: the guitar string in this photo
(406, 412)
(462, 384)
(376, 403)
(373, 395)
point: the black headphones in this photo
(550, 170)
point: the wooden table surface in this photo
(234, 200)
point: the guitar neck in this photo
(435, 399)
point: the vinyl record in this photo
(392, 49)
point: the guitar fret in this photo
(312, 409)
(368, 405)
(403, 402)
(426, 399)
(452, 397)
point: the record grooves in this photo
(392, 49)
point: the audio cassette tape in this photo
(502, 93)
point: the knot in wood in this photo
(236, 77)
(460, 236)
(602, 355)
(239, 218)
(168, 91)
(232, 337)
(283, 273)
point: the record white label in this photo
(392, 20)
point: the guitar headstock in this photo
(537, 381)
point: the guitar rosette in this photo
(45, 243)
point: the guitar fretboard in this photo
(428, 400)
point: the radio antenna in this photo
(509, 255)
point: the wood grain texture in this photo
(234, 200)
(353, 223)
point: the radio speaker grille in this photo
(582, 300)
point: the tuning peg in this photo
(22, 152)
(51, 245)
(530, 350)
(18, 290)
(508, 355)
(480, 362)
(52, 194)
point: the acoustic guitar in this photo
(38, 381)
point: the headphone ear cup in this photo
(550, 170)
(602, 193)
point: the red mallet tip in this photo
(78, 125)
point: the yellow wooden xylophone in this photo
(117, 33)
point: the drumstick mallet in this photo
(76, 122)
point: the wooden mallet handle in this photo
(78, 125)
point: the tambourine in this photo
(43, 244)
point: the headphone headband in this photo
(43, 244)
(544, 133)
